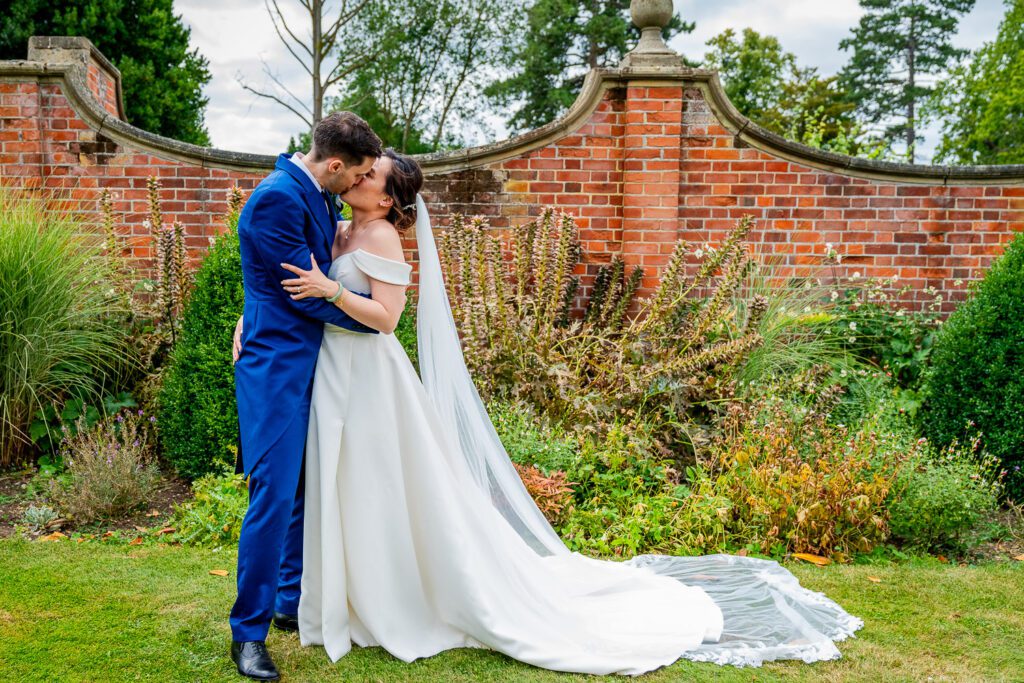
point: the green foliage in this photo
(36, 517)
(781, 478)
(980, 106)
(753, 72)
(814, 110)
(896, 45)
(874, 326)
(162, 79)
(531, 440)
(555, 45)
(59, 336)
(431, 60)
(212, 518)
(765, 84)
(395, 127)
(623, 495)
(940, 500)
(198, 415)
(48, 424)
(976, 375)
(405, 331)
(796, 324)
(798, 482)
(302, 143)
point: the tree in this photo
(382, 122)
(382, 114)
(556, 43)
(765, 84)
(321, 54)
(161, 78)
(753, 72)
(981, 103)
(427, 83)
(816, 111)
(896, 46)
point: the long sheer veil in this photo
(767, 614)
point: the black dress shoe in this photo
(286, 622)
(253, 660)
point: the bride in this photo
(419, 535)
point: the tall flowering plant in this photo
(656, 358)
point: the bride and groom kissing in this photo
(383, 508)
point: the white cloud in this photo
(235, 36)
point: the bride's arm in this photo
(380, 312)
(387, 301)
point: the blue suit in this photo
(284, 221)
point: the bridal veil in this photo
(767, 614)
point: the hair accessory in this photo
(409, 206)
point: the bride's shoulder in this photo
(381, 239)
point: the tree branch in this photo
(284, 23)
(277, 99)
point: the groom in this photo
(290, 215)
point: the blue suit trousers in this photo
(270, 546)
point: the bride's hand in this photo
(236, 348)
(309, 283)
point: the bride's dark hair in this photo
(404, 180)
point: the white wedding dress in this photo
(419, 536)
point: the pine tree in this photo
(896, 46)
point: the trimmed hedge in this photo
(977, 371)
(197, 413)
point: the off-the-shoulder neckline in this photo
(382, 258)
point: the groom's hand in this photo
(237, 346)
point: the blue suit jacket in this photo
(284, 220)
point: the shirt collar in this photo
(296, 159)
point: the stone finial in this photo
(651, 16)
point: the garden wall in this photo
(647, 155)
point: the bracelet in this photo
(332, 299)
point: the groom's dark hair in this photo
(344, 134)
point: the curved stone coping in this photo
(79, 43)
(86, 106)
(596, 83)
(761, 138)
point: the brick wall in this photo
(643, 158)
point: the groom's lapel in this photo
(314, 200)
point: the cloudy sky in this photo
(238, 38)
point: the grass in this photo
(113, 612)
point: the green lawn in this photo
(105, 612)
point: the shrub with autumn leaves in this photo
(551, 492)
(797, 482)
